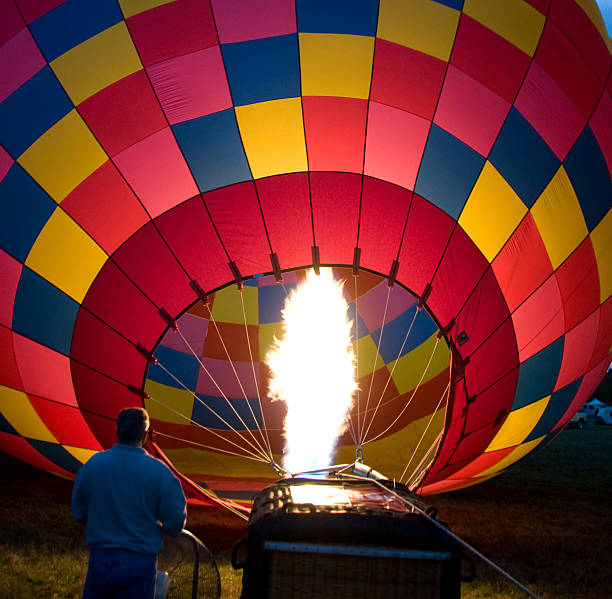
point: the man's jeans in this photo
(120, 574)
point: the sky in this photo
(606, 10)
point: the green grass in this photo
(546, 521)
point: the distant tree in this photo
(604, 391)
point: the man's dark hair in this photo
(132, 424)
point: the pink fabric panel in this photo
(470, 111)
(10, 271)
(241, 20)
(223, 373)
(395, 143)
(601, 124)
(20, 59)
(551, 113)
(5, 163)
(540, 320)
(578, 349)
(370, 305)
(193, 328)
(51, 378)
(191, 86)
(157, 172)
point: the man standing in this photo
(126, 498)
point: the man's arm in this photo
(172, 507)
(80, 498)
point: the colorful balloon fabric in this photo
(450, 159)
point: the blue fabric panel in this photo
(71, 23)
(204, 416)
(538, 375)
(356, 17)
(272, 301)
(457, 4)
(32, 109)
(523, 158)
(557, 406)
(24, 209)
(586, 167)
(213, 149)
(5, 426)
(44, 313)
(394, 333)
(57, 454)
(359, 327)
(449, 169)
(264, 69)
(184, 367)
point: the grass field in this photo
(547, 522)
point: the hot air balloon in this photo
(170, 169)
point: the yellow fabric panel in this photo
(559, 218)
(423, 25)
(21, 415)
(227, 306)
(520, 452)
(273, 137)
(518, 425)
(515, 20)
(336, 65)
(63, 156)
(366, 353)
(134, 7)
(492, 212)
(192, 461)
(79, 453)
(601, 238)
(410, 367)
(97, 63)
(267, 332)
(66, 256)
(179, 400)
(591, 8)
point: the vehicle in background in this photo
(604, 416)
(592, 407)
(579, 419)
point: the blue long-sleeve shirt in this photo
(125, 497)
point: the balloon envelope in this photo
(455, 154)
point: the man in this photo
(125, 497)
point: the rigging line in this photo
(382, 328)
(357, 361)
(411, 397)
(229, 359)
(178, 330)
(422, 467)
(424, 433)
(263, 418)
(195, 396)
(389, 378)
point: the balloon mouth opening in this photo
(209, 399)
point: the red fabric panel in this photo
(582, 33)
(484, 311)
(188, 230)
(578, 280)
(540, 5)
(22, 450)
(98, 346)
(148, 262)
(604, 335)
(490, 407)
(517, 276)
(10, 272)
(11, 22)
(495, 358)
(285, 203)
(577, 350)
(335, 207)
(65, 423)
(105, 206)
(601, 124)
(460, 270)
(123, 113)
(407, 79)
(489, 58)
(383, 213)
(427, 232)
(100, 400)
(539, 320)
(33, 9)
(482, 463)
(335, 133)
(172, 30)
(567, 67)
(229, 337)
(237, 217)
(9, 372)
(115, 300)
